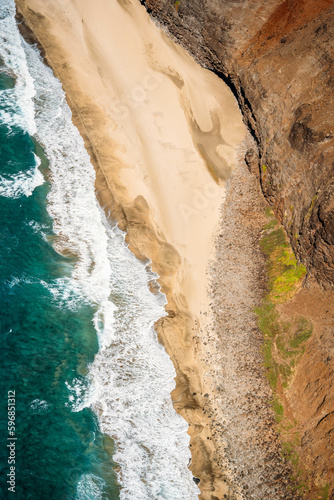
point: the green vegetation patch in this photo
(284, 278)
(302, 333)
(283, 270)
(273, 240)
(267, 319)
(325, 492)
(289, 452)
(270, 364)
(310, 210)
(278, 408)
(284, 342)
(271, 224)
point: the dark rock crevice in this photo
(239, 93)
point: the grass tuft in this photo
(325, 492)
(278, 409)
(303, 332)
(271, 224)
(310, 210)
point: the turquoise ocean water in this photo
(44, 345)
(94, 418)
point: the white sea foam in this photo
(79, 391)
(23, 183)
(39, 406)
(37, 228)
(13, 282)
(135, 402)
(90, 487)
(12, 56)
(16, 104)
(132, 376)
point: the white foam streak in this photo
(13, 58)
(23, 183)
(66, 292)
(90, 487)
(38, 228)
(39, 406)
(134, 404)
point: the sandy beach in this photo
(162, 133)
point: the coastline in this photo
(126, 194)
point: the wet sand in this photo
(162, 133)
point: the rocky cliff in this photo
(277, 57)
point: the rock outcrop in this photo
(277, 57)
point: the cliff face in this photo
(277, 57)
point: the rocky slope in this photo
(277, 57)
(246, 435)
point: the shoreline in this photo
(146, 238)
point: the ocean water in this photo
(94, 418)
